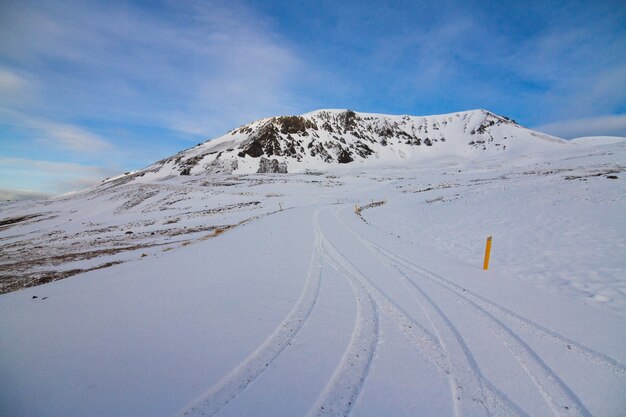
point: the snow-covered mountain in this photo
(198, 287)
(324, 139)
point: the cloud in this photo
(62, 135)
(543, 63)
(8, 194)
(129, 82)
(48, 177)
(70, 137)
(614, 125)
(16, 89)
(11, 82)
(568, 63)
(51, 167)
(195, 67)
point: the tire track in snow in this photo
(341, 392)
(417, 334)
(247, 371)
(562, 401)
(610, 364)
(472, 393)
(468, 393)
(571, 345)
(430, 347)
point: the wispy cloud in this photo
(204, 65)
(565, 73)
(544, 62)
(11, 83)
(8, 194)
(48, 177)
(16, 89)
(134, 81)
(70, 137)
(128, 81)
(61, 135)
(614, 125)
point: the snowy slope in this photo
(327, 139)
(354, 291)
(597, 140)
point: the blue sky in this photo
(92, 89)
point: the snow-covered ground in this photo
(270, 295)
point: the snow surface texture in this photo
(357, 290)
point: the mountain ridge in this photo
(324, 139)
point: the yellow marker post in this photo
(487, 253)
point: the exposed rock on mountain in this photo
(267, 166)
(329, 139)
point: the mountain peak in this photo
(326, 139)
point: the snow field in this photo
(315, 310)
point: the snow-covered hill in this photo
(323, 139)
(335, 289)
(597, 140)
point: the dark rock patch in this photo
(344, 157)
(294, 124)
(267, 166)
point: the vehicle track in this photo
(524, 324)
(416, 333)
(341, 392)
(562, 401)
(472, 393)
(247, 371)
(468, 391)
(473, 403)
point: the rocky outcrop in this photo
(344, 157)
(269, 142)
(271, 166)
(345, 137)
(223, 166)
(264, 142)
